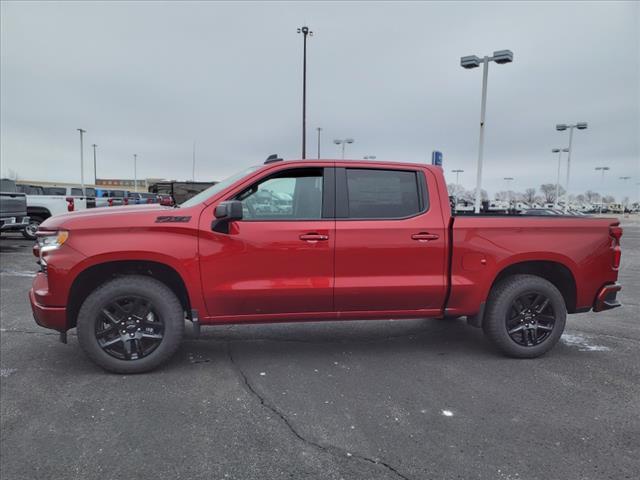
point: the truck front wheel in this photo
(525, 316)
(131, 324)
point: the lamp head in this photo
(561, 126)
(503, 56)
(470, 61)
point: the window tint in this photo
(382, 193)
(290, 195)
(76, 192)
(91, 192)
(117, 193)
(55, 191)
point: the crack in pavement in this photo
(331, 449)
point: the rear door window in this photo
(55, 191)
(76, 192)
(377, 193)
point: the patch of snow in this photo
(5, 372)
(262, 374)
(447, 413)
(582, 343)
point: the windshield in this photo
(218, 187)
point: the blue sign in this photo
(436, 158)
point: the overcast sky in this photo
(150, 78)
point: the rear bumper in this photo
(13, 223)
(606, 298)
(48, 317)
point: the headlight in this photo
(49, 241)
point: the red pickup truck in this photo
(292, 241)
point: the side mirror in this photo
(226, 212)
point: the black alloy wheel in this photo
(128, 328)
(531, 319)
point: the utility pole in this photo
(305, 31)
(82, 132)
(319, 130)
(135, 172)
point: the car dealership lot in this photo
(354, 400)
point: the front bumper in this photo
(606, 298)
(47, 317)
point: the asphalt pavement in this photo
(418, 399)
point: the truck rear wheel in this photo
(525, 316)
(131, 324)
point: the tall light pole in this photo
(95, 174)
(508, 180)
(193, 163)
(344, 142)
(319, 130)
(135, 172)
(559, 152)
(472, 61)
(561, 127)
(624, 179)
(305, 31)
(82, 132)
(457, 172)
(603, 170)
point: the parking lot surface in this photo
(425, 399)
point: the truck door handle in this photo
(424, 236)
(313, 237)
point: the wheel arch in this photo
(39, 212)
(555, 272)
(95, 275)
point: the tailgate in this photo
(13, 205)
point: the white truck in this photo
(45, 202)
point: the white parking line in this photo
(13, 273)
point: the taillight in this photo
(616, 234)
(126, 201)
(70, 204)
(110, 201)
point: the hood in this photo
(105, 217)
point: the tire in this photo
(133, 310)
(29, 232)
(520, 330)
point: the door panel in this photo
(265, 267)
(279, 258)
(391, 264)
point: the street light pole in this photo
(603, 170)
(95, 175)
(193, 163)
(319, 130)
(82, 132)
(561, 127)
(624, 179)
(135, 172)
(457, 172)
(305, 31)
(472, 61)
(344, 142)
(559, 152)
(508, 180)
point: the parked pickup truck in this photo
(13, 207)
(45, 202)
(293, 241)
